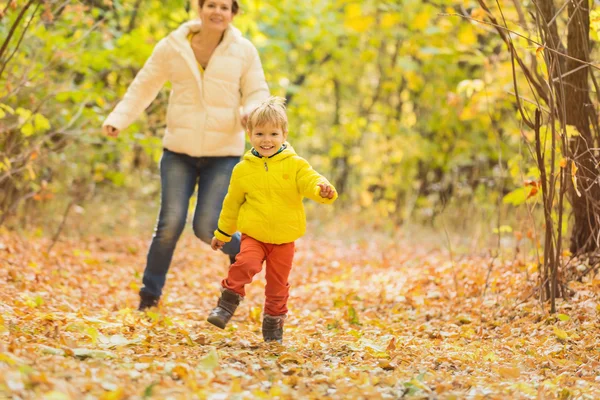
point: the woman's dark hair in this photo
(235, 7)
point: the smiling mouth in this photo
(266, 148)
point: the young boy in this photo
(264, 202)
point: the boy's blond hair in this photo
(271, 111)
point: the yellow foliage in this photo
(355, 20)
(390, 20)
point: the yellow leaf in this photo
(116, 394)
(390, 20)
(386, 364)
(359, 25)
(478, 13)
(210, 361)
(55, 395)
(571, 131)
(180, 372)
(92, 333)
(563, 163)
(354, 19)
(255, 313)
(509, 372)
(563, 317)
(6, 359)
(353, 10)
(538, 51)
(275, 391)
(467, 36)
(560, 334)
(32, 174)
(421, 20)
(289, 357)
(391, 345)
(41, 122)
(415, 382)
(27, 129)
(236, 386)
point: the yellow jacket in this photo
(265, 195)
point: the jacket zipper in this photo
(269, 196)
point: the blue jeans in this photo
(179, 175)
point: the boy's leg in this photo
(279, 265)
(214, 174)
(178, 179)
(249, 263)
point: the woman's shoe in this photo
(147, 301)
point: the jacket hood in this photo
(286, 153)
(180, 34)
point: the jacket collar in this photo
(255, 153)
(178, 39)
(286, 151)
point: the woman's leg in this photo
(178, 179)
(214, 174)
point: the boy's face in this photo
(267, 139)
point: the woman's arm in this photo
(253, 85)
(142, 91)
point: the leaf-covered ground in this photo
(367, 320)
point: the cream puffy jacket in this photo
(264, 199)
(203, 116)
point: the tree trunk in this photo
(579, 111)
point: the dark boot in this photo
(147, 301)
(272, 328)
(225, 308)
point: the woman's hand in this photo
(216, 244)
(110, 130)
(327, 191)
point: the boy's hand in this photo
(327, 192)
(216, 244)
(110, 130)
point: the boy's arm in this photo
(308, 181)
(231, 208)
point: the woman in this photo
(214, 72)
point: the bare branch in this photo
(13, 28)
(524, 37)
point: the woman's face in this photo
(216, 14)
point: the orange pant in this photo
(249, 262)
